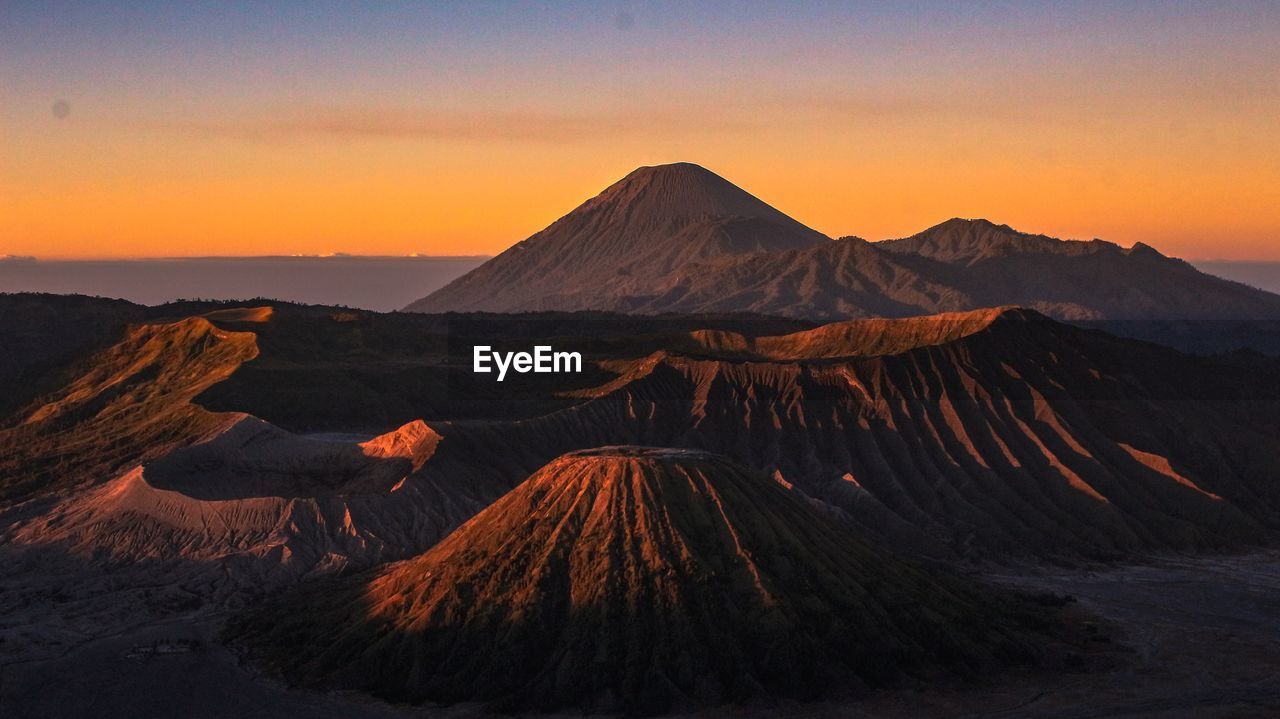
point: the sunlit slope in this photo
(642, 580)
(125, 404)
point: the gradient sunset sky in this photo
(141, 129)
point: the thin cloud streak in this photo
(446, 125)
(741, 116)
(731, 114)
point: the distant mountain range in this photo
(367, 282)
(679, 238)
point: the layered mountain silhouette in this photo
(679, 238)
(642, 580)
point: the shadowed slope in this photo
(639, 579)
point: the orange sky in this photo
(1164, 133)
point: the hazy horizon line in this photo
(21, 259)
(17, 259)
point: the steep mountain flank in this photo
(124, 404)
(642, 580)
(42, 334)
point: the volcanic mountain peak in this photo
(655, 202)
(654, 222)
(679, 192)
(641, 580)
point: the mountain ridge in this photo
(968, 240)
(679, 238)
